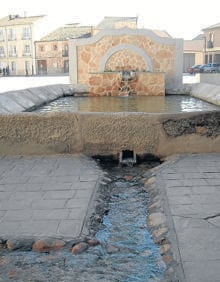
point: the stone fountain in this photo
(105, 63)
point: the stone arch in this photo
(130, 47)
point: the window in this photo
(65, 51)
(54, 47)
(41, 48)
(27, 67)
(210, 43)
(13, 66)
(11, 34)
(12, 51)
(26, 32)
(27, 50)
(1, 35)
(2, 51)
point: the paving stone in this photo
(215, 221)
(66, 194)
(70, 228)
(43, 196)
(15, 179)
(14, 204)
(176, 191)
(14, 215)
(44, 228)
(82, 185)
(9, 228)
(192, 198)
(56, 186)
(49, 204)
(83, 194)
(73, 203)
(77, 213)
(18, 195)
(50, 214)
(5, 195)
(202, 271)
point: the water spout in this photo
(126, 77)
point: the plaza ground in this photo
(52, 197)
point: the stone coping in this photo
(17, 101)
(207, 92)
(163, 134)
(13, 102)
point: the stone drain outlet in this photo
(127, 157)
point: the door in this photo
(66, 66)
(188, 61)
(42, 67)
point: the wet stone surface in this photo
(120, 248)
(204, 125)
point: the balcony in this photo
(26, 37)
(12, 54)
(26, 54)
(12, 38)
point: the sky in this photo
(181, 19)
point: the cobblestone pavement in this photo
(46, 196)
(190, 185)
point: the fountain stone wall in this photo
(98, 61)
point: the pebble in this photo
(79, 248)
(46, 245)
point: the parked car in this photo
(215, 67)
(193, 69)
(201, 68)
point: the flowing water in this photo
(147, 104)
(126, 252)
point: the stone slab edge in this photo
(161, 224)
(17, 101)
(207, 92)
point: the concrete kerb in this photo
(207, 92)
(23, 100)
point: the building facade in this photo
(52, 50)
(193, 52)
(204, 49)
(212, 44)
(17, 49)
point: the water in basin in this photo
(148, 104)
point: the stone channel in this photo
(122, 246)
